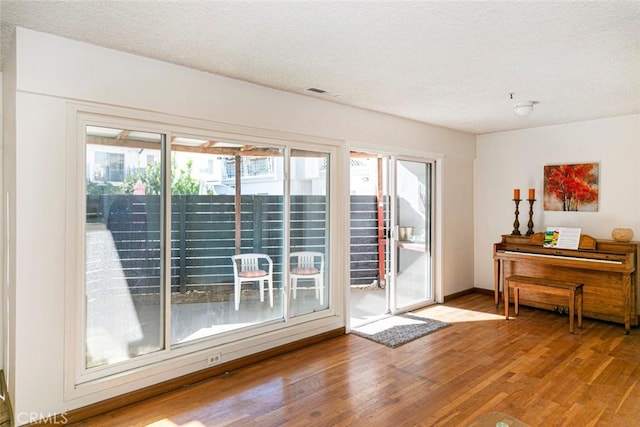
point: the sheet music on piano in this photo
(562, 237)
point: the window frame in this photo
(80, 381)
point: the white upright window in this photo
(214, 219)
(196, 239)
(308, 234)
(123, 240)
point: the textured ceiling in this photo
(447, 63)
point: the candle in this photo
(532, 193)
(516, 194)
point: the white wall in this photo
(52, 71)
(508, 160)
(2, 293)
(8, 215)
(457, 201)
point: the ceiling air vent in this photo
(323, 92)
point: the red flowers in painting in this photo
(571, 187)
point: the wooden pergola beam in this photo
(209, 147)
(209, 144)
(245, 150)
(123, 135)
(361, 155)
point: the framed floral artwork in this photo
(571, 187)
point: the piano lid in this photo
(588, 248)
(620, 259)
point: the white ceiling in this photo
(448, 63)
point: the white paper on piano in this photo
(562, 237)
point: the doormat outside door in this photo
(397, 330)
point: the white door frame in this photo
(438, 163)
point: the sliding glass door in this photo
(412, 237)
(391, 235)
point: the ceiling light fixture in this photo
(523, 109)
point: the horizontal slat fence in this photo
(203, 237)
(364, 240)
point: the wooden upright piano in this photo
(606, 268)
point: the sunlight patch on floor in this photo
(388, 323)
(363, 320)
(456, 315)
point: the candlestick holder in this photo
(516, 223)
(530, 223)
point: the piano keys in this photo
(606, 268)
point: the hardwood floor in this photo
(529, 367)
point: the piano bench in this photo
(573, 292)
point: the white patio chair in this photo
(250, 268)
(308, 265)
